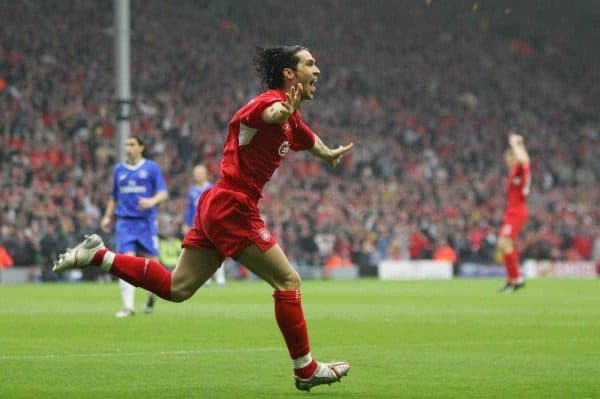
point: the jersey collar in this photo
(136, 166)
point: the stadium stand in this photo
(427, 93)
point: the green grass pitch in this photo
(434, 339)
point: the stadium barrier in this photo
(309, 272)
(560, 269)
(347, 272)
(20, 274)
(414, 270)
(480, 270)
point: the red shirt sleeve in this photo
(251, 114)
(303, 138)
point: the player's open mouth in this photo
(313, 84)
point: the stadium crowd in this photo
(427, 93)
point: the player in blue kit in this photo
(138, 187)
(201, 184)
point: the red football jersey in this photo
(519, 183)
(253, 149)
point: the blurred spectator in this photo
(5, 258)
(445, 252)
(22, 249)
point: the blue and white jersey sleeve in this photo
(159, 180)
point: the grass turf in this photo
(434, 339)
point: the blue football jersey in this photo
(130, 183)
(193, 196)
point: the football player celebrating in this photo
(228, 222)
(515, 214)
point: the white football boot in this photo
(326, 373)
(80, 256)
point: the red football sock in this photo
(290, 319)
(140, 272)
(511, 263)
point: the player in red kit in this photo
(228, 222)
(515, 215)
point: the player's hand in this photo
(292, 99)
(145, 203)
(282, 110)
(515, 139)
(105, 224)
(335, 156)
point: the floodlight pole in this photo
(122, 73)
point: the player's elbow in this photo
(275, 119)
(276, 114)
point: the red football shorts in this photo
(512, 223)
(227, 221)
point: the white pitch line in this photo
(133, 354)
(405, 345)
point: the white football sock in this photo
(127, 294)
(107, 260)
(219, 275)
(302, 361)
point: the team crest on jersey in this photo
(264, 234)
(143, 174)
(516, 181)
(284, 148)
(286, 126)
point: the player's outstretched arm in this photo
(331, 156)
(518, 147)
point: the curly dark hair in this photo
(271, 61)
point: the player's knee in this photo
(292, 281)
(505, 244)
(180, 294)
